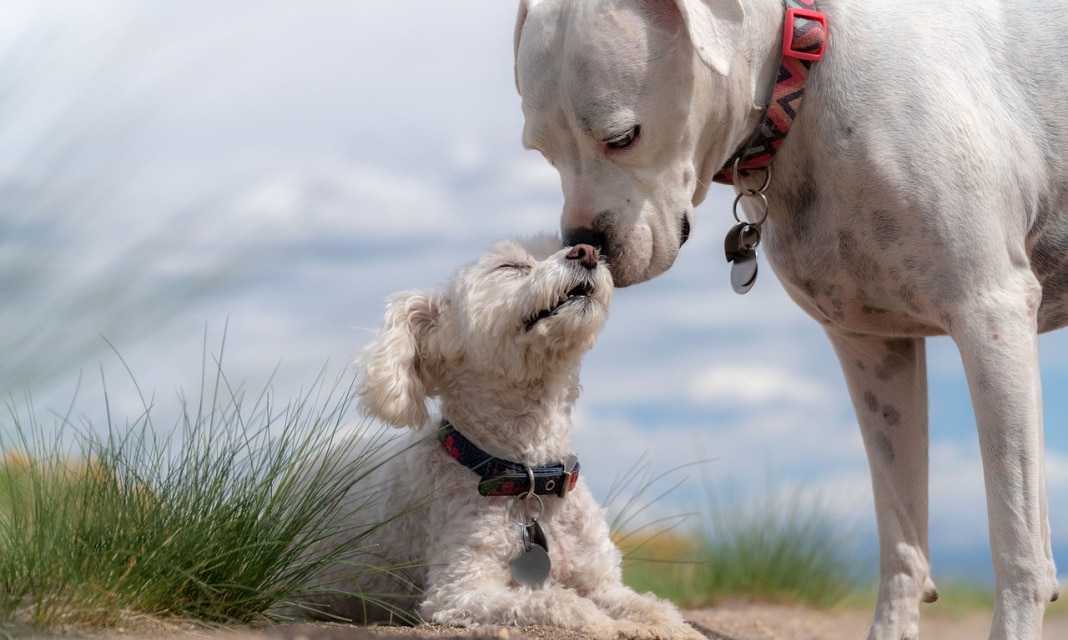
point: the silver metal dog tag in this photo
(533, 565)
(744, 273)
(739, 248)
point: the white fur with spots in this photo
(923, 190)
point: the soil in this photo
(736, 621)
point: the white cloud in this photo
(734, 386)
(332, 197)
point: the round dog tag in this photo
(532, 566)
(744, 272)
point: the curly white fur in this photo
(507, 380)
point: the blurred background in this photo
(170, 170)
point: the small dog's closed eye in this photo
(510, 534)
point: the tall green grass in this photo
(219, 519)
(776, 547)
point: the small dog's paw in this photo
(646, 609)
(687, 632)
(635, 631)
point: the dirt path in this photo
(729, 622)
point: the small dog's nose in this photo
(585, 254)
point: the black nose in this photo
(583, 235)
(585, 254)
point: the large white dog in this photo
(921, 189)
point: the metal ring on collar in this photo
(530, 518)
(530, 487)
(736, 178)
(763, 202)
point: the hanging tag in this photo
(744, 273)
(536, 535)
(734, 245)
(739, 247)
(532, 566)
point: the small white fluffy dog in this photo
(500, 347)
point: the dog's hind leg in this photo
(887, 381)
(996, 332)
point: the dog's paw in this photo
(626, 630)
(643, 608)
(645, 616)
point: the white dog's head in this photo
(634, 104)
(524, 311)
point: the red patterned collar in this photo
(804, 40)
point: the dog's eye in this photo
(518, 267)
(625, 139)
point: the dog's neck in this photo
(529, 423)
(803, 37)
(761, 47)
(753, 74)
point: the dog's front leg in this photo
(887, 381)
(473, 592)
(996, 333)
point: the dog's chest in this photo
(855, 275)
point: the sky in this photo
(173, 172)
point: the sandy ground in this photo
(728, 622)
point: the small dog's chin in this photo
(578, 318)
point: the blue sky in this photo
(169, 168)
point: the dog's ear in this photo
(395, 384)
(521, 19)
(714, 27)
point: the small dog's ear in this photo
(714, 27)
(394, 382)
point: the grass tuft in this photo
(218, 521)
(776, 548)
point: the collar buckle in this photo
(567, 477)
(804, 34)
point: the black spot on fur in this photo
(859, 263)
(891, 415)
(907, 294)
(885, 447)
(891, 365)
(871, 401)
(901, 346)
(885, 228)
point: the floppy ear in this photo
(520, 20)
(394, 383)
(714, 27)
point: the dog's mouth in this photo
(579, 293)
